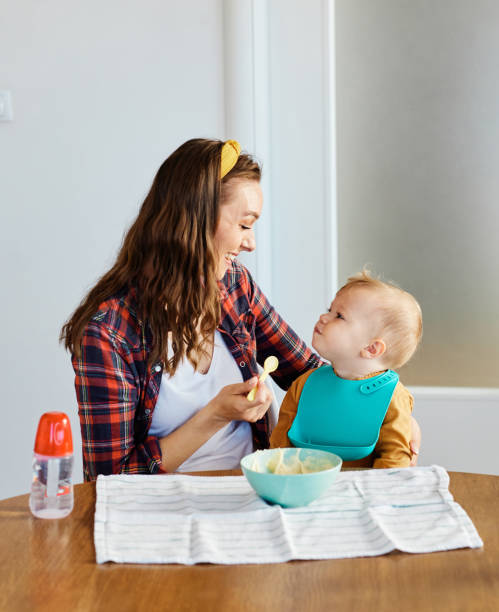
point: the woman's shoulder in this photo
(118, 314)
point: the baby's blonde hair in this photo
(401, 318)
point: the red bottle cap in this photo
(53, 437)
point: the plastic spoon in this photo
(269, 365)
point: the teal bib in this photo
(342, 416)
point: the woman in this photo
(165, 346)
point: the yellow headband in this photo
(230, 153)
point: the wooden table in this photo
(50, 565)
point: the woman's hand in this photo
(415, 443)
(232, 404)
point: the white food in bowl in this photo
(277, 464)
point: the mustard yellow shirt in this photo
(392, 448)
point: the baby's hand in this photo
(415, 442)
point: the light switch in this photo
(5, 106)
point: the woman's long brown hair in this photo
(168, 255)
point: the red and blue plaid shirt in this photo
(117, 389)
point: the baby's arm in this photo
(392, 448)
(287, 413)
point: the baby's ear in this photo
(375, 349)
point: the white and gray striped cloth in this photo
(197, 519)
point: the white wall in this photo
(459, 427)
(301, 205)
(102, 92)
(418, 186)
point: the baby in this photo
(357, 408)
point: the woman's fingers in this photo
(254, 414)
(263, 394)
(232, 404)
(241, 388)
(262, 402)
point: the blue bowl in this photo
(291, 490)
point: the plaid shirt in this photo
(117, 389)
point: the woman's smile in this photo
(242, 207)
(229, 257)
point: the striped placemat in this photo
(196, 519)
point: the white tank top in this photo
(184, 394)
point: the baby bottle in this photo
(52, 488)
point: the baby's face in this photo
(349, 326)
